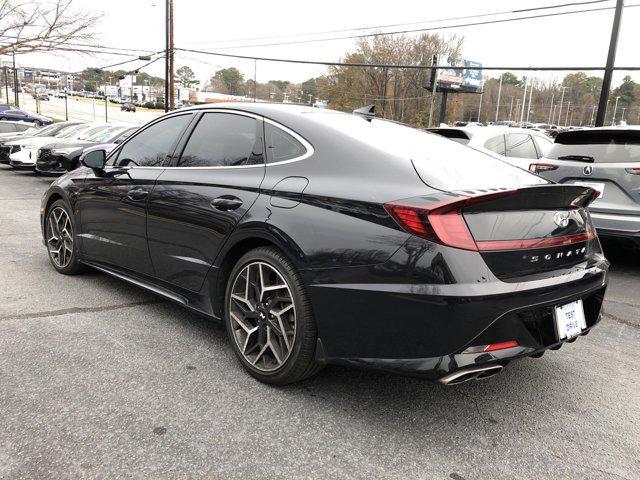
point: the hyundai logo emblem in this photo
(562, 219)
(588, 170)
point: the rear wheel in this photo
(37, 123)
(60, 239)
(269, 319)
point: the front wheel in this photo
(269, 319)
(37, 123)
(60, 239)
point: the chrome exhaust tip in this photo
(474, 373)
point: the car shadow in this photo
(623, 254)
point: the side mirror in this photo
(95, 159)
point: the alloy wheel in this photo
(59, 237)
(263, 316)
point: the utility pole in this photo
(499, 93)
(15, 81)
(511, 109)
(593, 112)
(434, 87)
(566, 117)
(551, 108)
(611, 58)
(172, 89)
(622, 117)
(615, 110)
(561, 102)
(255, 80)
(524, 100)
(529, 107)
(480, 106)
(167, 55)
(517, 107)
(6, 84)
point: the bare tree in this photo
(28, 26)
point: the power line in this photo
(417, 30)
(376, 27)
(386, 65)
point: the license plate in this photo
(596, 186)
(570, 321)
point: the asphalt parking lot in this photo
(99, 379)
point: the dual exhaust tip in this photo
(474, 373)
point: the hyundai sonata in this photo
(324, 237)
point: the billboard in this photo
(459, 77)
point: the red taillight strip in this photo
(503, 245)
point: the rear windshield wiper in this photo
(578, 158)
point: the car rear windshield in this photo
(441, 163)
(599, 146)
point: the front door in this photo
(197, 202)
(113, 202)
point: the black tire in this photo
(73, 266)
(300, 363)
(37, 123)
(2, 118)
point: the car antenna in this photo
(367, 112)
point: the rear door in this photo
(197, 202)
(608, 161)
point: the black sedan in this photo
(322, 237)
(63, 156)
(11, 112)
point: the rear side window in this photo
(599, 146)
(221, 140)
(281, 145)
(495, 144)
(520, 145)
(7, 127)
(21, 128)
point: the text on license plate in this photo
(570, 320)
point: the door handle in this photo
(226, 202)
(137, 194)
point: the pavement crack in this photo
(72, 310)
(621, 320)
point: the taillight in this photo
(491, 347)
(542, 167)
(441, 222)
(633, 171)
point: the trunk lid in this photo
(518, 232)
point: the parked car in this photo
(64, 155)
(607, 160)
(41, 96)
(50, 131)
(324, 237)
(517, 146)
(128, 107)
(11, 112)
(10, 129)
(26, 153)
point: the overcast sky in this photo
(578, 40)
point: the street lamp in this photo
(615, 108)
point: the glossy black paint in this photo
(381, 297)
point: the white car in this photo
(25, 152)
(517, 146)
(10, 128)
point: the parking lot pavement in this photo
(102, 380)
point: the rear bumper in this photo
(616, 225)
(423, 329)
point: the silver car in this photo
(608, 160)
